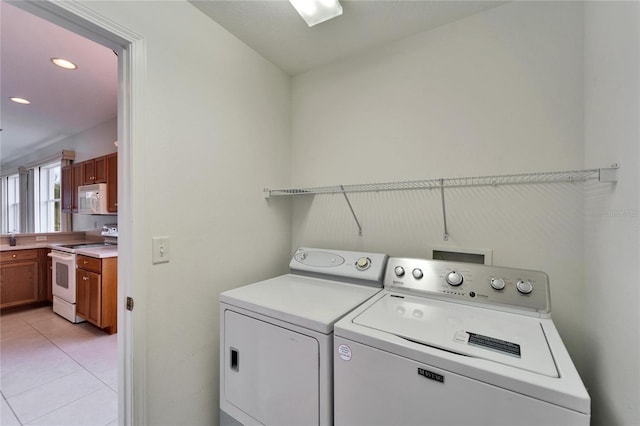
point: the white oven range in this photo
(63, 264)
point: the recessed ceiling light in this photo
(20, 100)
(317, 11)
(63, 63)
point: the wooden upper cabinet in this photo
(70, 180)
(97, 170)
(87, 172)
(94, 171)
(112, 182)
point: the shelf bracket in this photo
(609, 174)
(353, 213)
(445, 236)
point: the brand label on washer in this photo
(345, 352)
(431, 375)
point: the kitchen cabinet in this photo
(19, 278)
(97, 170)
(97, 289)
(71, 178)
(112, 182)
(94, 171)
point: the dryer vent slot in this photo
(235, 359)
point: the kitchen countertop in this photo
(38, 245)
(99, 252)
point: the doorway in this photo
(130, 50)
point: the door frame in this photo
(131, 49)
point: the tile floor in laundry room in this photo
(54, 372)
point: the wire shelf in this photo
(609, 174)
(603, 175)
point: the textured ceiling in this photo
(274, 29)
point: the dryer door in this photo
(270, 373)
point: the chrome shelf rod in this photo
(355, 217)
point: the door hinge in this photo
(129, 303)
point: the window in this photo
(42, 205)
(11, 203)
(48, 202)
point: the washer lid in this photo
(510, 339)
(308, 302)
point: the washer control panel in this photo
(365, 268)
(470, 282)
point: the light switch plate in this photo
(160, 250)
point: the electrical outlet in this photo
(160, 250)
(41, 238)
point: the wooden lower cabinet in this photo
(20, 283)
(97, 290)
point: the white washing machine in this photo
(276, 337)
(449, 343)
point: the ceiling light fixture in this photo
(20, 100)
(63, 63)
(317, 11)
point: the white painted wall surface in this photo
(612, 215)
(216, 132)
(91, 143)
(499, 92)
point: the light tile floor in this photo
(53, 372)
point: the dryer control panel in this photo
(470, 283)
(349, 266)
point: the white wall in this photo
(91, 143)
(216, 133)
(499, 92)
(612, 214)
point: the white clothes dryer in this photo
(450, 343)
(276, 337)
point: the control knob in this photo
(399, 271)
(363, 263)
(454, 278)
(417, 273)
(524, 287)
(497, 283)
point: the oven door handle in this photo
(59, 257)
